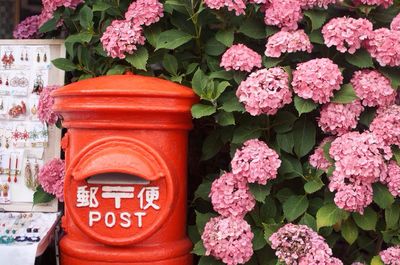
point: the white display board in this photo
(26, 143)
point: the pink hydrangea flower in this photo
(239, 6)
(393, 178)
(265, 91)
(122, 37)
(391, 256)
(317, 80)
(51, 177)
(240, 57)
(259, 1)
(53, 5)
(285, 14)
(228, 239)
(373, 88)
(384, 3)
(395, 25)
(347, 33)
(45, 16)
(384, 46)
(145, 12)
(340, 118)
(45, 107)
(231, 196)
(256, 162)
(299, 244)
(318, 159)
(308, 4)
(288, 42)
(353, 197)
(386, 125)
(27, 29)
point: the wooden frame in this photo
(56, 77)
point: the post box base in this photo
(173, 253)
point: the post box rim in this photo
(171, 193)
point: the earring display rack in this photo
(26, 143)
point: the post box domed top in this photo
(125, 101)
(128, 84)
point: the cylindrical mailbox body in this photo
(126, 177)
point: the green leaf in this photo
(382, 196)
(209, 260)
(101, 6)
(396, 154)
(316, 37)
(244, 133)
(64, 64)
(309, 221)
(294, 207)
(225, 37)
(260, 192)
(376, 260)
(214, 47)
(152, 34)
(367, 116)
(170, 64)
(392, 215)
(199, 249)
(230, 103)
(304, 133)
(199, 82)
(49, 25)
(283, 121)
(211, 145)
(40, 196)
(345, 95)
(286, 142)
(367, 221)
(117, 70)
(269, 62)
(172, 39)
(313, 185)
(258, 240)
(304, 105)
(361, 59)
(253, 29)
(269, 229)
(317, 17)
(393, 75)
(201, 110)
(290, 165)
(202, 219)
(349, 231)
(225, 118)
(330, 214)
(80, 37)
(139, 58)
(86, 17)
(203, 190)
(220, 89)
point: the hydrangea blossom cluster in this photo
(386, 125)
(393, 178)
(299, 244)
(346, 33)
(240, 57)
(256, 162)
(359, 162)
(391, 256)
(53, 5)
(308, 4)
(265, 91)
(395, 25)
(239, 6)
(288, 42)
(384, 46)
(373, 88)
(123, 36)
(231, 197)
(285, 14)
(228, 239)
(384, 3)
(318, 159)
(51, 177)
(27, 29)
(317, 79)
(340, 118)
(145, 12)
(45, 107)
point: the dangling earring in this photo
(38, 58)
(1, 80)
(16, 170)
(7, 83)
(28, 174)
(34, 110)
(45, 57)
(22, 56)
(1, 105)
(36, 175)
(26, 56)
(7, 143)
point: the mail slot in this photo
(125, 183)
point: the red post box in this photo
(125, 185)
